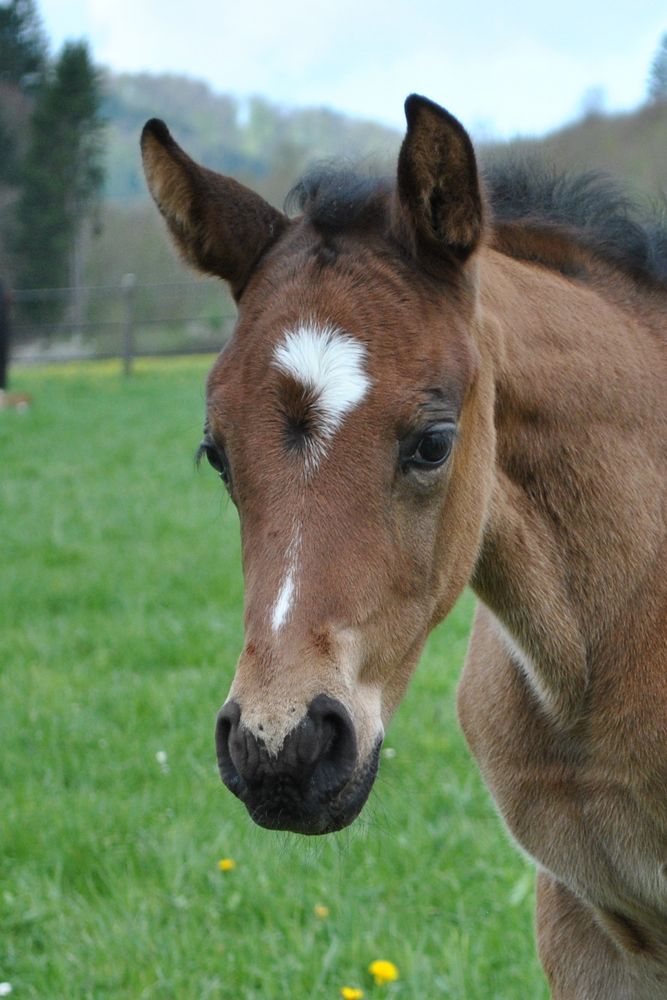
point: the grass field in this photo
(120, 622)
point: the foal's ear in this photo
(439, 197)
(219, 225)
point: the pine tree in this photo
(657, 81)
(23, 54)
(62, 174)
(23, 48)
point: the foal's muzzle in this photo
(309, 786)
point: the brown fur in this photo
(551, 360)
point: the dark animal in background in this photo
(17, 400)
(430, 386)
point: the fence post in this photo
(128, 287)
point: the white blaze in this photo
(285, 599)
(330, 365)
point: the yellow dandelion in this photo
(383, 972)
(226, 864)
(321, 912)
(351, 993)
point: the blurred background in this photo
(259, 91)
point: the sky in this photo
(516, 68)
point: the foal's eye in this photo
(216, 458)
(431, 449)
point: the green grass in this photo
(120, 622)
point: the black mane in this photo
(592, 208)
(336, 197)
(589, 208)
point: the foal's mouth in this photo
(314, 784)
(312, 814)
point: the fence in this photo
(125, 321)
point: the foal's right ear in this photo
(439, 202)
(220, 226)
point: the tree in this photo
(8, 160)
(657, 81)
(62, 172)
(23, 55)
(23, 48)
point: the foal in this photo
(429, 386)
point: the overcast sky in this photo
(518, 67)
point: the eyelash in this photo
(216, 458)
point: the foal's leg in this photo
(579, 958)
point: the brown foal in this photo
(433, 382)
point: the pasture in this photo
(120, 624)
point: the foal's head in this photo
(347, 419)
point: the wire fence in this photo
(125, 321)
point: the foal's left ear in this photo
(439, 197)
(219, 225)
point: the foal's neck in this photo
(576, 517)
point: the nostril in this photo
(337, 744)
(228, 744)
(314, 763)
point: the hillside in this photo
(268, 146)
(630, 146)
(258, 142)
